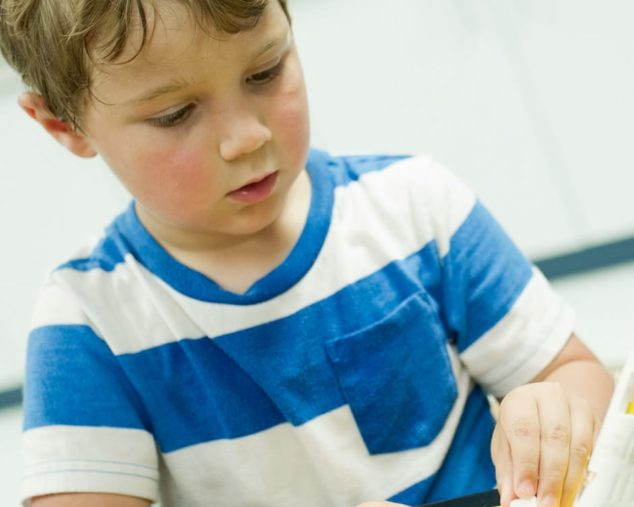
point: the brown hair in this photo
(51, 42)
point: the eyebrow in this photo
(178, 85)
(157, 92)
(278, 41)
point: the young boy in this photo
(268, 324)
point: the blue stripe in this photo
(73, 378)
(350, 168)
(105, 256)
(196, 394)
(485, 273)
(467, 467)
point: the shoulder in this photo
(417, 172)
(408, 186)
(108, 260)
(104, 251)
(102, 288)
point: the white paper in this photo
(532, 502)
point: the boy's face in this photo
(193, 120)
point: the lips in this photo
(255, 191)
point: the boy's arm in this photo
(88, 500)
(546, 429)
(579, 370)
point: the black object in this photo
(486, 499)
(588, 259)
(10, 398)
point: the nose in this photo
(243, 133)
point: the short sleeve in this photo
(507, 322)
(84, 427)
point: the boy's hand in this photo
(542, 444)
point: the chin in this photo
(257, 219)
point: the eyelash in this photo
(177, 117)
(268, 75)
(173, 119)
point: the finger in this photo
(501, 454)
(554, 413)
(520, 422)
(581, 442)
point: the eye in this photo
(266, 76)
(173, 119)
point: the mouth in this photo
(256, 190)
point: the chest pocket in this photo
(396, 377)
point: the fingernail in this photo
(526, 489)
(548, 501)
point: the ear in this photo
(62, 131)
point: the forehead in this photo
(177, 44)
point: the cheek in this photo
(167, 175)
(291, 121)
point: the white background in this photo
(530, 101)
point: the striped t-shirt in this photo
(354, 371)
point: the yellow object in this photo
(630, 408)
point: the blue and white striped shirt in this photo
(355, 370)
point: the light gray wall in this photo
(530, 101)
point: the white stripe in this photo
(524, 342)
(55, 306)
(371, 227)
(129, 307)
(323, 462)
(448, 201)
(91, 459)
